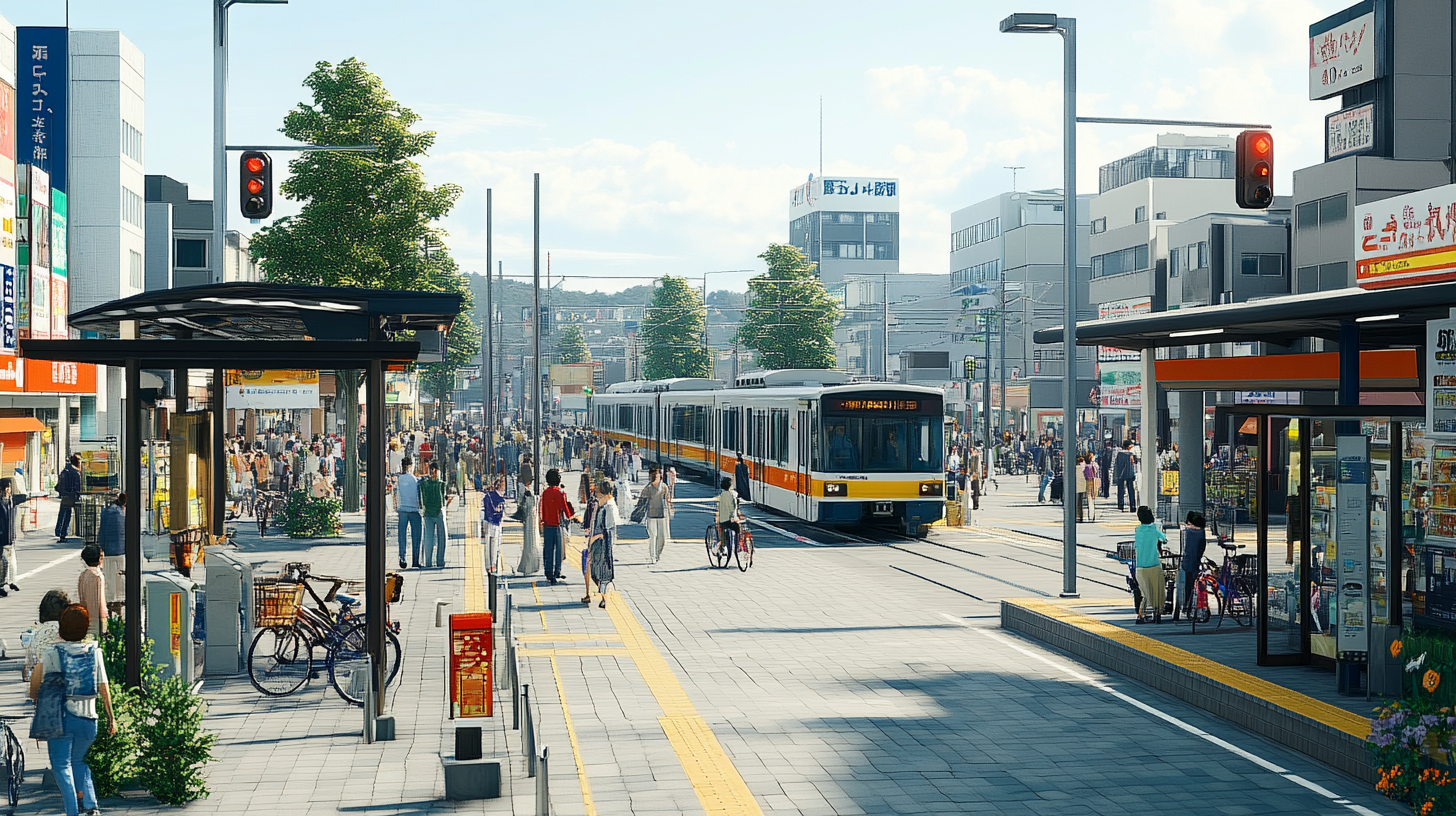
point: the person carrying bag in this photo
(69, 678)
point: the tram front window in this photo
(882, 444)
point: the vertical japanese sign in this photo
(1441, 376)
(39, 198)
(60, 283)
(1352, 536)
(8, 213)
(43, 57)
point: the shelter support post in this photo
(131, 462)
(1349, 393)
(374, 500)
(217, 460)
(1148, 436)
(1190, 452)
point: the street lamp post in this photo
(219, 126)
(1067, 27)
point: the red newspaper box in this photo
(470, 653)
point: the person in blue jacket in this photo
(492, 513)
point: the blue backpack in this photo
(78, 663)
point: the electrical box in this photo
(229, 612)
(170, 603)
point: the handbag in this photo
(48, 724)
(639, 512)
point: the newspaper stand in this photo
(470, 665)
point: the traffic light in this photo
(1254, 170)
(255, 178)
(970, 368)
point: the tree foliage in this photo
(571, 347)
(790, 317)
(368, 219)
(672, 333)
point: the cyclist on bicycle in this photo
(727, 517)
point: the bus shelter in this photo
(225, 326)
(1340, 482)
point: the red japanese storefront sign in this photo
(471, 642)
(19, 375)
(1406, 239)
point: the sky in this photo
(668, 135)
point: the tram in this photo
(816, 445)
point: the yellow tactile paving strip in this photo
(719, 786)
(566, 637)
(572, 652)
(586, 795)
(1334, 717)
(474, 559)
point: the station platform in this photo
(1211, 668)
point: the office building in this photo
(849, 226)
(179, 238)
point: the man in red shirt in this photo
(553, 510)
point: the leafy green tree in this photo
(368, 219)
(790, 317)
(571, 348)
(672, 333)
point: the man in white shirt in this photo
(407, 506)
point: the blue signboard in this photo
(42, 54)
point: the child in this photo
(1149, 541)
(1194, 542)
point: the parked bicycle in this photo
(281, 658)
(14, 759)
(736, 546)
(266, 506)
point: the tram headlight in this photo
(836, 490)
(932, 488)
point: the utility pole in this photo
(488, 359)
(986, 397)
(885, 328)
(1001, 320)
(536, 336)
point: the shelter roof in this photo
(1387, 318)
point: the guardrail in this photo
(523, 716)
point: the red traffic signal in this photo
(256, 191)
(1254, 170)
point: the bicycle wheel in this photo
(348, 660)
(717, 556)
(280, 661)
(1244, 601)
(744, 551)
(15, 767)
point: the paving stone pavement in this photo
(837, 676)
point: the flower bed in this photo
(1413, 740)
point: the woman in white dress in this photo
(530, 563)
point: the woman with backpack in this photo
(65, 684)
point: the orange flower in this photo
(1395, 647)
(1431, 680)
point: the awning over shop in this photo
(1386, 318)
(1380, 370)
(20, 425)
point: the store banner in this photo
(1120, 384)
(1406, 239)
(1352, 541)
(1441, 376)
(272, 390)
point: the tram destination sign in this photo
(879, 404)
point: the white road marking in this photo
(63, 559)
(1180, 724)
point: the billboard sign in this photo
(60, 284)
(1117, 310)
(1406, 239)
(848, 193)
(1342, 51)
(1350, 131)
(8, 213)
(43, 57)
(274, 389)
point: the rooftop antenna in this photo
(1013, 168)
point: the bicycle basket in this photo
(275, 602)
(1246, 564)
(296, 569)
(1126, 552)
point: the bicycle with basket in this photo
(1126, 552)
(281, 659)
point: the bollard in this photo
(528, 732)
(491, 601)
(543, 785)
(369, 700)
(504, 660)
(440, 604)
(515, 700)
